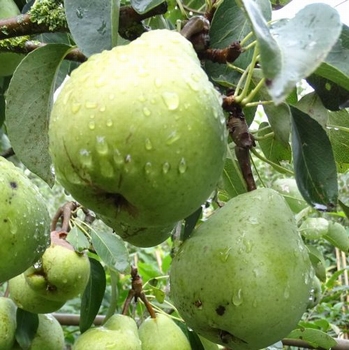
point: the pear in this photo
(24, 222)
(27, 299)
(243, 278)
(49, 335)
(7, 323)
(118, 333)
(61, 274)
(162, 333)
(141, 236)
(143, 130)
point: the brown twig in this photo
(238, 130)
(136, 292)
(64, 214)
(228, 54)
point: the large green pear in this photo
(162, 333)
(49, 335)
(61, 273)
(7, 323)
(137, 133)
(27, 299)
(141, 236)
(118, 333)
(243, 278)
(24, 222)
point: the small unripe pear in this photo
(7, 323)
(27, 299)
(24, 222)
(119, 332)
(61, 274)
(162, 333)
(243, 277)
(143, 129)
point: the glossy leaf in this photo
(313, 337)
(318, 262)
(314, 164)
(77, 239)
(144, 6)
(345, 208)
(27, 325)
(338, 236)
(111, 249)
(93, 295)
(302, 54)
(93, 24)
(29, 102)
(190, 222)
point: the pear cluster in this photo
(243, 279)
(137, 134)
(60, 275)
(24, 222)
(49, 334)
(121, 332)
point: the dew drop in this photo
(85, 157)
(193, 84)
(141, 98)
(91, 125)
(148, 168)
(75, 107)
(100, 82)
(171, 100)
(106, 169)
(128, 158)
(148, 144)
(101, 145)
(102, 109)
(182, 167)
(109, 122)
(91, 105)
(237, 298)
(146, 111)
(248, 245)
(158, 82)
(224, 254)
(287, 292)
(166, 167)
(172, 138)
(255, 302)
(118, 159)
(253, 221)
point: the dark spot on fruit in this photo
(220, 310)
(121, 203)
(5, 220)
(228, 338)
(13, 184)
(198, 303)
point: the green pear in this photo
(49, 335)
(27, 299)
(61, 274)
(24, 222)
(289, 189)
(8, 60)
(118, 333)
(162, 333)
(137, 134)
(243, 278)
(7, 323)
(141, 236)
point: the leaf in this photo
(93, 24)
(337, 127)
(77, 239)
(230, 24)
(93, 295)
(27, 325)
(332, 96)
(338, 236)
(159, 294)
(190, 223)
(273, 149)
(111, 249)
(314, 165)
(313, 337)
(318, 262)
(144, 6)
(270, 53)
(29, 102)
(344, 208)
(304, 41)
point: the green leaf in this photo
(144, 6)
(315, 168)
(318, 262)
(29, 102)
(230, 24)
(159, 294)
(304, 41)
(273, 149)
(344, 208)
(337, 127)
(270, 53)
(338, 236)
(77, 239)
(111, 249)
(93, 295)
(190, 222)
(313, 337)
(332, 96)
(27, 325)
(93, 24)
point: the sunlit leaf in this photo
(313, 337)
